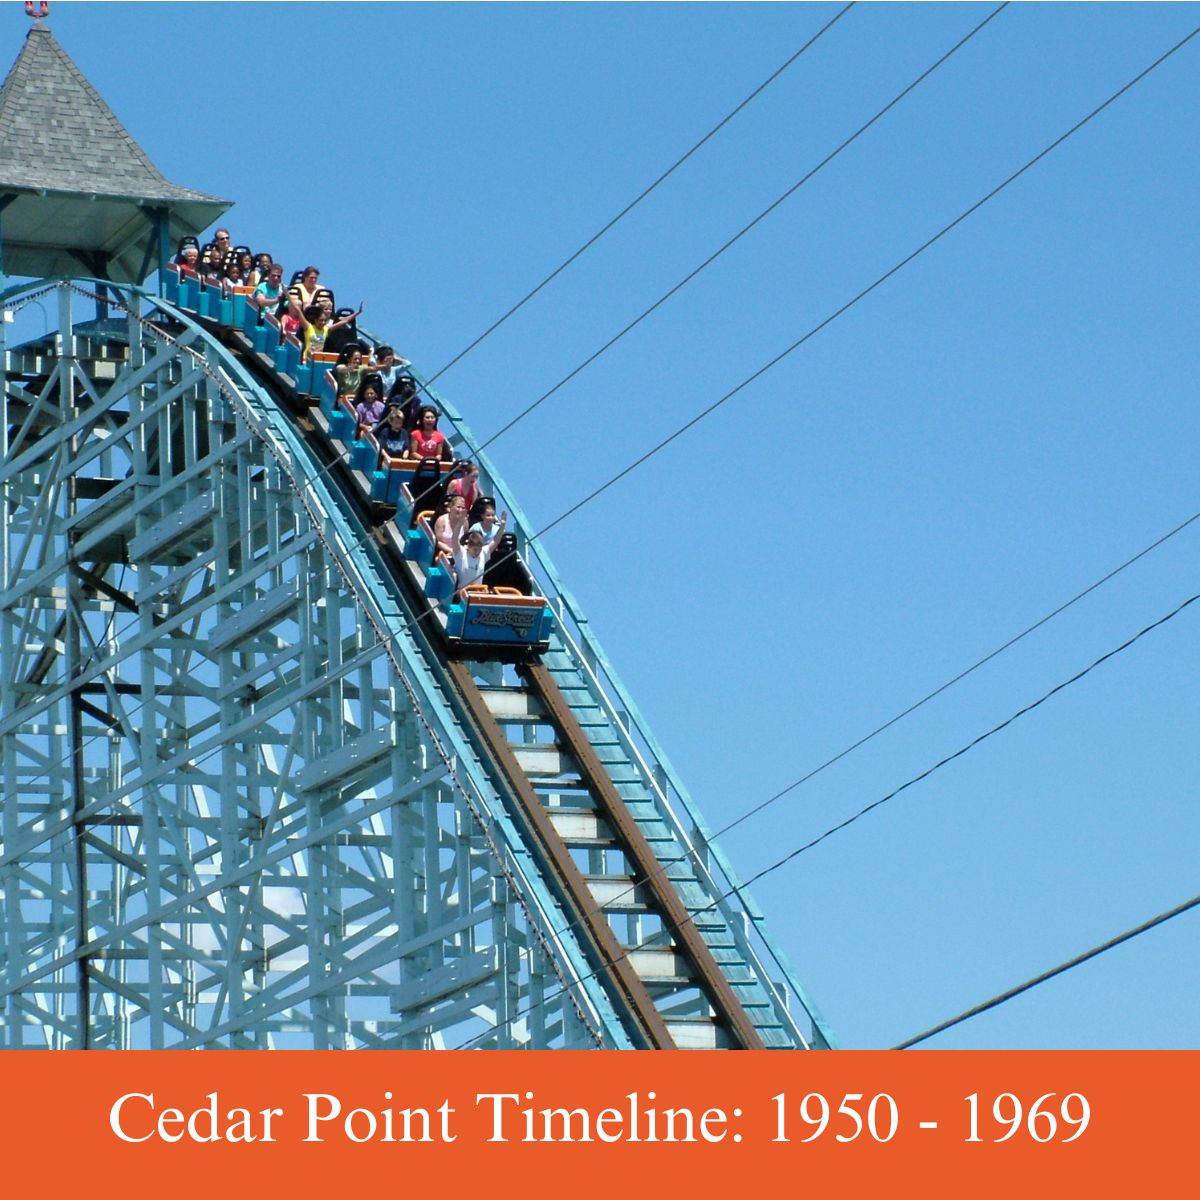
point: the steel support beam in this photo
(231, 813)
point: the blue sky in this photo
(1004, 421)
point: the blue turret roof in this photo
(78, 177)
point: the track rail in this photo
(714, 1015)
(607, 954)
(610, 957)
(590, 921)
(649, 872)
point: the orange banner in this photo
(521, 1123)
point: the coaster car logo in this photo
(519, 620)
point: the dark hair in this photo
(404, 388)
(369, 381)
(301, 274)
(343, 357)
(383, 351)
(426, 408)
(313, 311)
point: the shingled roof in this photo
(79, 179)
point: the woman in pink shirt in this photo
(451, 525)
(427, 440)
(465, 485)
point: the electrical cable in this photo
(656, 937)
(112, 616)
(642, 195)
(987, 658)
(682, 429)
(983, 737)
(1061, 969)
(806, 337)
(745, 228)
(667, 863)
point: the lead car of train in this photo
(501, 618)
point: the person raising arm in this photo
(471, 558)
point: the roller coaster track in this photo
(249, 800)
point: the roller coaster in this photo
(268, 781)
(260, 603)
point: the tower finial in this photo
(37, 11)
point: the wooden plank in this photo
(637, 849)
(588, 919)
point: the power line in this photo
(667, 863)
(983, 737)
(1062, 968)
(655, 938)
(861, 295)
(745, 229)
(649, 454)
(854, 300)
(646, 192)
(987, 658)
